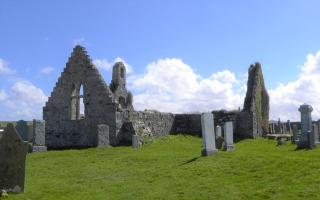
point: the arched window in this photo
(81, 103)
(122, 72)
(77, 107)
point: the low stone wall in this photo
(222, 116)
(187, 124)
(158, 123)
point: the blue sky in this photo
(206, 37)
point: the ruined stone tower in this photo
(253, 120)
(81, 100)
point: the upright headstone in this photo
(295, 132)
(289, 127)
(316, 133)
(13, 151)
(228, 136)
(208, 135)
(307, 137)
(218, 131)
(22, 128)
(39, 136)
(273, 128)
(136, 143)
(284, 128)
(279, 131)
(103, 135)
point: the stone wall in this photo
(65, 126)
(253, 120)
(187, 124)
(222, 116)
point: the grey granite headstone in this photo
(295, 132)
(13, 151)
(208, 135)
(39, 136)
(103, 135)
(306, 127)
(218, 131)
(228, 136)
(284, 128)
(136, 143)
(289, 127)
(22, 128)
(316, 132)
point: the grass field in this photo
(170, 168)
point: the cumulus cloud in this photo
(286, 98)
(104, 64)
(23, 101)
(4, 68)
(47, 70)
(170, 85)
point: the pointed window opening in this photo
(122, 73)
(77, 107)
(81, 102)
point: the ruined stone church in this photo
(66, 125)
(84, 111)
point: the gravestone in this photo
(208, 135)
(289, 126)
(13, 151)
(218, 131)
(103, 135)
(316, 132)
(284, 128)
(307, 137)
(38, 140)
(22, 129)
(273, 128)
(228, 136)
(136, 143)
(279, 127)
(295, 132)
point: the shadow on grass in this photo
(190, 161)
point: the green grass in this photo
(170, 168)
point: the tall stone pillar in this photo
(307, 135)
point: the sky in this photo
(182, 56)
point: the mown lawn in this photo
(170, 168)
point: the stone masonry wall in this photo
(187, 124)
(61, 130)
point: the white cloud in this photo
(170, 85)
(106, 65)
(47, 70)
(24, 101)
(4, 68)
(102, 64)
(286, 98)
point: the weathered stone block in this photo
(103, 135)
(307, 137)
(228, 136)
(136, 142)
(22, 129)
(13, 151)
(218, 131)
(39, 133)
(208, 135)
